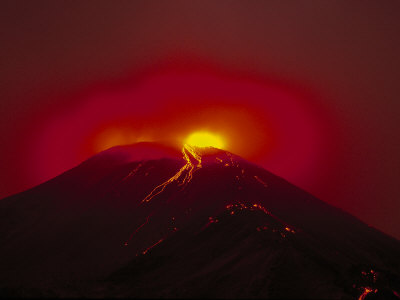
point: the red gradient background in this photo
(309, 91)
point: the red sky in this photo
(308, 90)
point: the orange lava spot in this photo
(288, 229)
(152, 246)
(211, 220)
(366, 291)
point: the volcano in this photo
(148, 221)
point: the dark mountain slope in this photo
(227, 228)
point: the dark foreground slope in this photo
(231, 230)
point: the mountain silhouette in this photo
(148, 221)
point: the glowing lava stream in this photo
(189, 154)
(366, 291)
(188, 169)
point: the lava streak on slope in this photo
(189, 154)
(192, 163)
(365, 293)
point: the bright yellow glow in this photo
(205, 139)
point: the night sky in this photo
(309, 90)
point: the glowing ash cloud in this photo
(258, 120)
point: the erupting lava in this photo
(189, 154)
(196, 140)
(366, 291)
(205, 139)
(183, 177)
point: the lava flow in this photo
(366, 291)
(189, 153)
